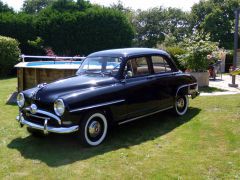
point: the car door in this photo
(164, 77)
(139, 87)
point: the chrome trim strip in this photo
(46, 128)
(47, 114)
(97, 105)
(133, 119)
(40, 117)
(180, 87)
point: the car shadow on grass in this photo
(57, 150)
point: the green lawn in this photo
(204, 144)
(210, 89)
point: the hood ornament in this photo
(39, 87)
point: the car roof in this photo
(128, 52)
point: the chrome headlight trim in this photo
(59, 107)
(20, 100)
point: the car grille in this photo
(40, 118)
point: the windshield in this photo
(100, 65)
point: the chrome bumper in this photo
(46, 128)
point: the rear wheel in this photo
(181, 105)
(93, 128)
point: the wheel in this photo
(35, 132)
(93, 128)
(181, 105)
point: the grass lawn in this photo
(210, 89)
(204, 144)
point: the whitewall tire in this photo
(93, 129)
(181, 105)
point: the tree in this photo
(197, 47)
(152, 26)
(4, 8)
(120, 7)
(35, 6)
(215, 17)
(83, 4)
(70, 5)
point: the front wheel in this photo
(93, 129)
(181, 105)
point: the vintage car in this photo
(110, 87)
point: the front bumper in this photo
(46, 128)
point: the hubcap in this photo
(94, 129)
(180, 103)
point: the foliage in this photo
(152, 26)
(19, 26)
(5, 8)
(69, 28)
(176, 52)
(35, 6)
(120, 7)
(37, 43)
(9, 54)
(217, 18)
(73, 32)
(198, 47)
(70, 5)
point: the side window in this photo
(160, 64)
(137, 67)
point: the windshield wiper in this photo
(111, 72)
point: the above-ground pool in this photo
(52, 63)
(31, 74)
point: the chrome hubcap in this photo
(180, 103)
(94, 129)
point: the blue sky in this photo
(134, 4)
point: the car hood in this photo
(51, 92)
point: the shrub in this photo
(9, 54)
(198, 47)
(175, 52)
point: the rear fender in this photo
(188, 89)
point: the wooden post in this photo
(235, 47)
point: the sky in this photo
(134, 4)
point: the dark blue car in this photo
(111, 87)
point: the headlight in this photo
(59, 107)
(20, 100)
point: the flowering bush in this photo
(198, 47)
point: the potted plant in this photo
(196, 59)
